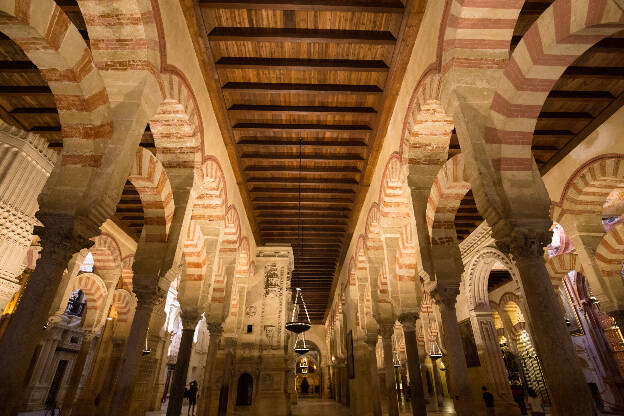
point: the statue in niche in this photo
(269, 331)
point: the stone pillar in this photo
(147, 297)
(371, 342)
(25, 164)
(439, 393)
(25, 328)
(189, 321)
(457, 370)
(76, 375)
(215, 329)
(386, 337)
(419, 405)
(566, 384)
(491, 357)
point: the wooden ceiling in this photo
(318, 70)
(587, 94)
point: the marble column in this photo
(419, 405)
(566, 383)
(457, 370)
(386, 338)
(76, 374)
(147, 297)
(189, 322)
(371, 342)
(439, 393)
(215, 329)
(25, 164)
(25, 328)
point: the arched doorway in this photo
(308, 377)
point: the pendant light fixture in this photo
(147, 349)
(297, 325)
(301, 348)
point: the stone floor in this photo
(317, 407)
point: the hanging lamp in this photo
(147, 349)
(297, 325)
(301, 348)
(436, 352)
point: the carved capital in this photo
(386, 331)
(189, 318)
(215, 329)
(63, 235)
(371, 339)
(149, 296)
(521, 243)
(445, 294)
(408, 321)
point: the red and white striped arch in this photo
(407, 253)
(587, 189)
(394, 198)
(610, 252)
(218, 286)
(122, 299)
(176, 126)
(54, 45)
(232, 231)
(106, 253)
(560, 35)
(151, 182)
(448, 189)
(478, 33)
(195, 253)
(210, 203)
(94, 290)
(373, 236)
(243, 258)
(560, 265)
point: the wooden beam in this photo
(556, 115)
(276, 127)
(294, 200)
(321, 144)
(292, 64)
(353, 6)
(265, 34)
(19, 67)
(288, 156)
(287, 88)
(304, 169)
(306, 181)
(580, 96)
(34, 110)
(24, 90)
(303, 191)
(599, 72)
(301, 109)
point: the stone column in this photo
(566, 384)
(215, 330)
(457, 371)
(76, 375)
(408, 322)
(371, 342)
(147, 297)
(439, 393)
(491, 358)
(189, 322)
(25, 328)
(386, 337)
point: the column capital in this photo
(148, 295)
(371, 339)
(445, 294)
(386, 331)
(189, 318)
(523, 243)
(215, 329)
(408, 320)
(64, 235)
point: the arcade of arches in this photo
(442, 179)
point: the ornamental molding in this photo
(32, 145)
(479, 238)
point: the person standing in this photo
(488, 399)
(535, 403)
(192, 396)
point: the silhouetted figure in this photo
(593, 388)
(192, 396)
(518, 394)
(535, 403)
(305, 386)
(488, 399)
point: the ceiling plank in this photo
(357, 6)
(302, 109)
(275, 127)
(265, 34)
(293, 64)
(287, 156)
(291, 88)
